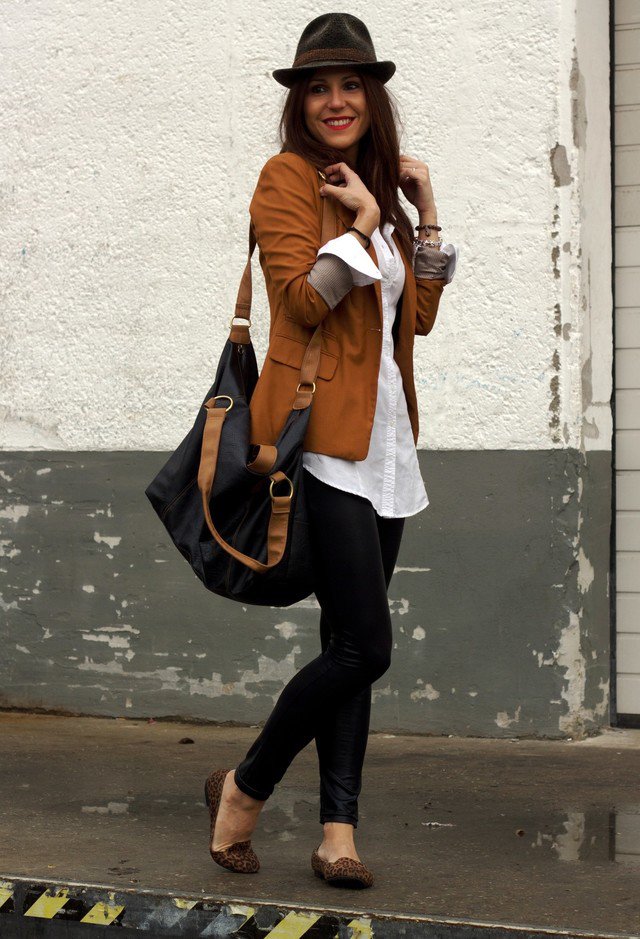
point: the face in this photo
(333, 93)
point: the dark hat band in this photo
(341, 54)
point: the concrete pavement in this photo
(466, 836)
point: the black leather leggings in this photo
(329, 699)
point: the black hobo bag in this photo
(234, 510)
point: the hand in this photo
(415, 183)
(347, 187)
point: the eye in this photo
(352, 84)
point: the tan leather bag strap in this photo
(280, 505)
(238, 333)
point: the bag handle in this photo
(329, 230)
(280, 505)
(311, 360)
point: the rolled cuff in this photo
(348, 247)
(332, 278)
(435, 264)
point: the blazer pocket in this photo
(290, 351)
(292, 319)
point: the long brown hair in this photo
(378, 162)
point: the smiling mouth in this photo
(338, 123)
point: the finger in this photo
(342, 167)
(340, 178)
(327, 188)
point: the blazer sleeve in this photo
(429, 293)
(285, 212)
(430, 270)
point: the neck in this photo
(351, 154)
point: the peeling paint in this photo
(14, 512)
(503, 720)
(560, 167)
(551, 548)
(550, 660)
(287, 629)
(174, 678)
(6, 552)
(570, 657)
(578, 103)
(428, 692)
(111, 541)
(114, 642)
(586, 573)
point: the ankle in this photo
(338, 832)
(242, 799)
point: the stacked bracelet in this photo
(362, 235)
(423, 241)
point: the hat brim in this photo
(290, 76)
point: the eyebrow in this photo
(321, 77)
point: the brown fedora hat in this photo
(334, 39)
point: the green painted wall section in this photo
(500, 601)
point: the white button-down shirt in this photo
(389, 476)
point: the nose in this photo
(337, 98)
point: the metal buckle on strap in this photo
(306, 383)
(286, 479)
(240, 317)
(228, 397)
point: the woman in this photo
(362, 477)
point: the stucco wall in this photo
(132, 139)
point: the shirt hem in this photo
(354, 492)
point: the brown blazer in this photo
(286, 213)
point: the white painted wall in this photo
(132, 138)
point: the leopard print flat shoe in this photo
(345, 872)
(240, 856)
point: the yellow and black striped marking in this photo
(24, 902)
(60, 910)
